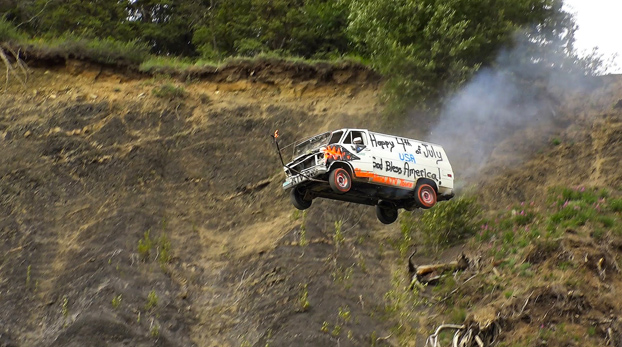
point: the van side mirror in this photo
(357, 141)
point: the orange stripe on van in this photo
(391, 181)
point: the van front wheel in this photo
(425, 195)
(298, 199)
(386, 212)
(340, 180)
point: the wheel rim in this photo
(427, 196)
(341, 180)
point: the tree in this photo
(166, 25)
(96, 18)
(304, 28)
(427, 48)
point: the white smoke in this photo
(521, 90)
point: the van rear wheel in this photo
(340, 180)
(298, 199)
(386, 212)
(425, 195)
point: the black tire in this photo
(340, 180)
(386, 212)
(298, 199)
(425, 195)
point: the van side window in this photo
(354, 134)
(336, 136)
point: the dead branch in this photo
(429, 274)
(10, 69)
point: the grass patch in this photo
(615, 205)
(159, 64)
(169, 91)
(105, 51)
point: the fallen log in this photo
(431, 273)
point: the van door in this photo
(357, 142)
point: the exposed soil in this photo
(93, 159)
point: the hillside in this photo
(141, 210)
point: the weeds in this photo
(445, 224)
(144, 246)
(155, 331)
(116, 302)
(65, 307)
(169, 91)
(325, 327)
(152, 300)
(161, 244)
(303, 300)
(338, 238)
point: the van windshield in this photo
(308, 145)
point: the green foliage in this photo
(152, 300)
(164, 245)
(303, 300)
(8, 32)
(311, 28)
(161, 244)
(116, 301)
(428, 48)
(65, 307)
(105, 51)
(144, 246)
(615, 205)
(573, 214)
(155, 331)
(338, 238)
(447, 223)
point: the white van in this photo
(365, 167)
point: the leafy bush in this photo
(447, 223)
(8, 32)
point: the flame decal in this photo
(337, 152)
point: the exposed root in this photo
(13, 69)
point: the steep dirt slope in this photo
(94, 160)
(149, 211)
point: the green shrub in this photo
(447, 223)
(8, 32)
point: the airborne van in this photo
(361, 166)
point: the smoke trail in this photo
(519, 92)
